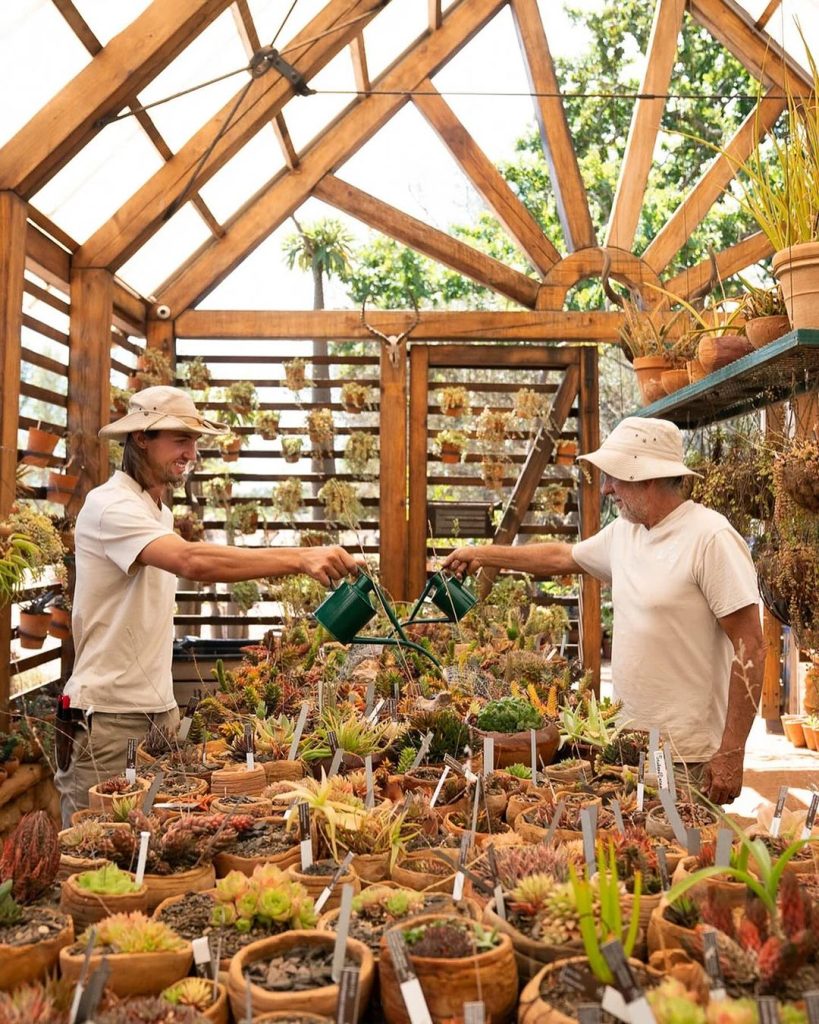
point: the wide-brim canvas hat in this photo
(162, 408)
(641, 449)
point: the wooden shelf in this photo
(788, 366)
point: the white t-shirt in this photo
(671, 659)
(122, 616)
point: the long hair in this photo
(135, 460)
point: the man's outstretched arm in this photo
(538, 559)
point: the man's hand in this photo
(464, 561)
(328, 565)
(722, 781)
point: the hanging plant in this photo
(267, 424)
(355, 396)
(153, 368)
(188, 525)
(197, 374)
(450, 445)
(529, 405)
(286, 498)
(241, 398)
(294, 375)
(120, 397)
(454, 401)
(291, 448)
(321, 429)
(244, 594)
(797, 469)
(341, 503)
(493, 471)
(229, 446)
(243, 518)
(360, 449)
(492, 428)
(27, 521)
(553, 499)
(219, 489)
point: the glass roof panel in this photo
(214, 52)
(165, 251)
(39, 54)
(391, 31)
(106, 19)
(268, 16)
(92, 186)
(307, 116)
(254, 165)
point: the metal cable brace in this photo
(269, 57)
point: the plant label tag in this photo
(130, 761)
(660, 769)
(326, 892)
(722, 854)
(332, 740)
(342, 931)
(185, 725)
(533, 754)
(80, 986)
(369, 698)
(422, 751)
(348, 995)
(416, 1004)
(369, 798)
(812, 1005)
(248, 1001)
(139, 874)
(588, 824)
(674, 819)
(620, 825)
(153, 789)
(376, 711)
(250, 747)
(474, 1013)
(662, 864)
(580, 981)
(768, 1009)
(639, 1012)
(811, 816)
(669, 770)
(456, 766)
(460, 876)
(589, 1013)
(439, 787)
(653, 743)
(305, 841)
(550, 832)
(613, 1003)
(306, 851)
(712, 964)
(214, 964)
(475, 805)
(776, 821)
(92, 995)
(392, 705)
(300, 724)
(201, 953)
(411, 991)
(500, 903)
(488, 761)
(693, 841)
(335, 764)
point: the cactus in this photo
(31, 856)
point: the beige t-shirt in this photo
(122, 616)
(671, 660)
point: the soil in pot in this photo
(36, 924)
(300, 969)
(554, 988)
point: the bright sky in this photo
(404, 164)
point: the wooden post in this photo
(89, 377)
(161, 335)
(589, 516)
(13, 212)
(418, 437)
(393, 475)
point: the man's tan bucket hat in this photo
(162, 408)
(641, 449)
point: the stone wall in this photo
(30, 788)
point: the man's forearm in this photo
(538, 559)
(744, 691)
(219, 563)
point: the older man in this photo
(688, 651)
(128, 558)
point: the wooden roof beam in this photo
(438, 245)
(730, 261)
(123, 68)
(486, 178)
(434, 325)
(558, 146)
(691, 211)
(434, 13)
(767, 14)
(645, 124)
(337, 143)
(760, 53)
(358, 55)
(141, 215)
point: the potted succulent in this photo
(361, 447)
(244, 594)
(34, 621)
(493, 427)
(291, 448)
(294, 374)
(152, 367)
(565, 452)
(94, 894)
(355, 396)
(243, 518)
(766, 318)
(59, 624)
(120, 399)
(451, 445)
(219, 489)
(229, 446)
(493, 472)
(286, 497)
(321, 429)
(197, 374)
(267, 424)
(454, 401)
(529, 405)
(508, 722)
(39, 446)
(341, 503)
(241, 399)
(202, 995)
(188, 525)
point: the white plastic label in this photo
(439, 787)
(144, 839)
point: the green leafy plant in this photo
(450, 442)
(197, 375)
(519, 771)
(10, 909)
(294, 374)
(245, 594)
(268, 899)
(321, 428)
(508, 714)
(454, 400)
(361, 448)
(341, 503)
(132, 933)
(241, 399)
(195, 992)
(355, 395)
(266, 423)
(109, 880)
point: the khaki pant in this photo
(100, 752)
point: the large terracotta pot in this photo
(731, 893)
(318, 1000)
(61, 487)
(448, 983)
(793, 726)
(20, 964)
(530, 954)
(239, 780)
(409, 873)
(762, 330)
(39, 446)
(648, 370)
(160, 887)
(696, 371)
(314, 884)
(98, 801)
(132, 974)
(673, 380)
(516, 748)
(33, 629)
(715, 352)
(225, 861)
(797, 271)
(87, 907)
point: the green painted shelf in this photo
(788, 366)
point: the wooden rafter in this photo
(730, 261)
(130, 60)
(344, 137)
(358, 55)
(487, 179)
(730, 25)
(767, 14)
(434, 325)
(691, 211)
(424, 238)
(536, 462)
(142, 214)
(558, 147)
(645, 123)
(434, 13)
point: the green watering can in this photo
(349, 608)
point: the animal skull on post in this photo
(392, 341)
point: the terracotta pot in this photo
(793, 726)
(61, 487)
(448, 983)
(162, 887)
(32, 962)
(33, 629)
(530, 954)
(238, 780)
(132, 974)
(303, 1017)
(762, 330)
(230, 452)
(39, 446)
(225, 862)
(87, 907)
(715, 352)
(516, 747)
(59, 624)
(372, 867)
(520, 802)
(696, 371)
(409, 873)
(283, 771)
(260, 807)
(797, 271)
(219, 1010)
(811, 736)
(480, 838)
(195, 789)
(314, 884)
(565, 453)
(648, 370)
(673, 380)
(291, 457)
(318, 1000)
(450, 455)
(105, 801)
(663, 934)
(731, 894)
(569, 772)
(72, 865)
